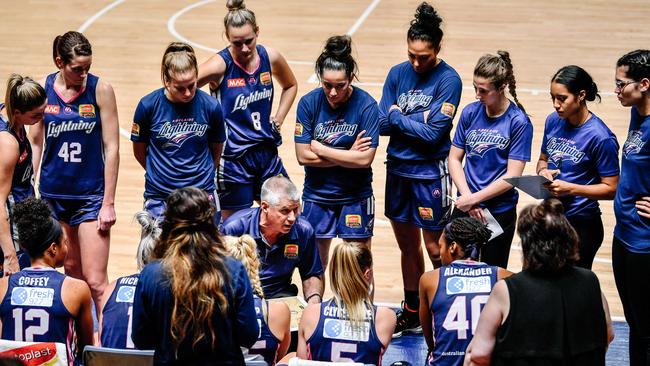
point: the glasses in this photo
(621, 84)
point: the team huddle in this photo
(211, 262)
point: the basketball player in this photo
(332, 121)
(25, 102)
(494, 136)
(79, 140)
(40, 304)
(240, 76)
(178, 133)
(452, 296)
(348, 327)
(417, 107)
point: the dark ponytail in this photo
(337, 56)
(70, 45)
(576, 79)
(426, 26)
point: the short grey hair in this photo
(148, 236)
(277, 188)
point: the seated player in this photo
(347, 327)
(116, 317)
(452, 296)
(40, 304)
(274, 318)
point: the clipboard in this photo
(533, 185)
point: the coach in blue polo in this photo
(285, 241)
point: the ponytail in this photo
(23, 94)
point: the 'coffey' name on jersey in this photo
(242, 101)
(54, 130)
(33, 281)
(454, 271)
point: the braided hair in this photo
(498, 70)
(470, 234)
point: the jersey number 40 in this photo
(457, 319)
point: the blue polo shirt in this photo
(297, 249)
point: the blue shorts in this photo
(348, 221)
(156, 208)
(23, 258)
(422, 202)
(74, 211)
(239, 181)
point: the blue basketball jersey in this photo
(417, 145)
(463, 290)
(247, 99)
(338, 339)
(488, 144)
(117, 314)
(634, 183)
(32, 309)
(178, 137)
(73, 155)
(583, 154)
(337, 128)
(21, 183)
(267, 344)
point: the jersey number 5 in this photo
(70, 152)
(456, 318)
(33, 330)
(339, 347)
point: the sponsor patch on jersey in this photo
(23, 156)
(448, 109)
(291, 251)
(298, 130)
(345, 330)
(265, 78)
(437, 193)
(236, 83)
(426, 213)
(67, 110)
(32, 296)
(135, 129)
(252, 80)
(87, 110)
(52, 109)
(353, 221)
(468, 285)
(125, 294)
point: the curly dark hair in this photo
(425, 26)
(469, 233)
(548, 240)
(33, 220)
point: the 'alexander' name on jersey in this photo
(482, 140)
(55, 129)
(412, 100)
(242, 101)
(179, 130)
(559, 148)
(331, 131)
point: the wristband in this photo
(314, 294)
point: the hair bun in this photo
(427, 17)
(338, 46)
(234, 5)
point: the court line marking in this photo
(171, 27)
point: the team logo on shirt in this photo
(55, 129)
(634, 143)
(468, 285)
(448, 109)
(52, 109)
(353, 221)
(236, 83)
(265, 78)
(291, 251)
(87, 110)
(480, 141)
(242, 101)
(135, 129)
(180, 130)
(67, 110)
(412, 100)
(252, 80)
(298, 130)
(125, 294)
(560, 148)
(32, 296)
(333, 131)
(426, 213)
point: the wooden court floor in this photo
(129, 36)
